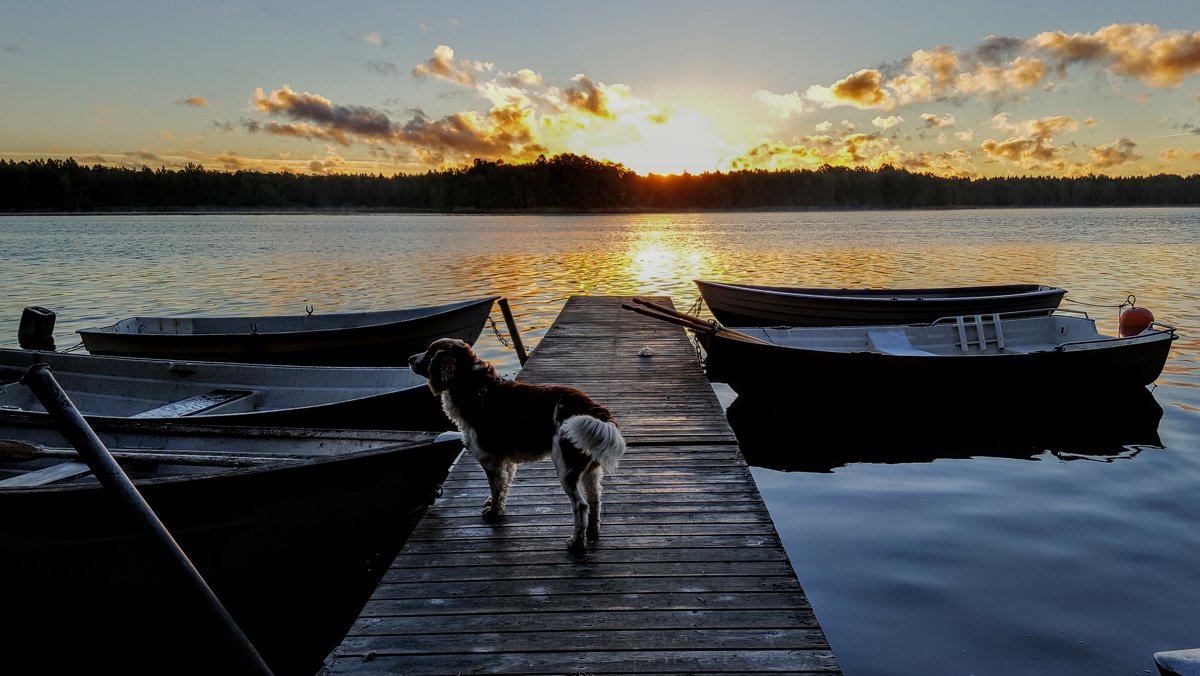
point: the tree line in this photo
(560, 183)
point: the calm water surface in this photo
(998, 551)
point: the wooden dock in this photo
(689, 575)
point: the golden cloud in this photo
(196, 101)
(1140, 51)
(587, 96)
(863, 90)
(442, 66)
(886, 122)
(1179, 155)
(782, 106)
(1114, 154)
(936, 121)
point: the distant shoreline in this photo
(332, 211)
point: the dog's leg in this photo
(591, 486)
(566, 461)
(571, 484)
(493, 509)
(508, 472)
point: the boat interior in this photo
(966, 335)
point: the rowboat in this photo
(336, 339)
(752, 305)
(111, 388)
(818, 433)
(291, 528)
(1034, 356)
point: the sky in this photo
(963, 88)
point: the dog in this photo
(504, 422)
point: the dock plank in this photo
(688, 577)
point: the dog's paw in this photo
(593, 533)
(491, 514)
(576, 546)
(646, 351)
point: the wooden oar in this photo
(667, 314)
(60, 407)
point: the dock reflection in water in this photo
(820, 434)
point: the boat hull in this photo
(348, 339)
(797, 371)
(107, 389)
(293, 552)
(747, 305)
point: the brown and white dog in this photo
(504, 422)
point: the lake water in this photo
(997, 550)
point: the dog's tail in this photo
(599, 439)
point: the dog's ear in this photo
(442, 367)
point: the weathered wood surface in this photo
(689, 575)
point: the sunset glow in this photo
(761, 85)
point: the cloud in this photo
(1139, 51)
(887, 122)
(383, 67)
(1032, 144)
(195, 101)
(1007, 68)
(782, 106)
(143, 155)
(863, 89)
(504, 132)
(587, 96)
(1179, 155)
(375, 39)
(12, 49)
(442, 66)
(810, 152)
(523, 78)
(338, 121)
(935, 121)
(1020, 74)
(1114, 154)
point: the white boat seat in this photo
(47, 475)
(980, 323)
(894, 342)
(194, 405)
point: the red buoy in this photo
(1135, 320)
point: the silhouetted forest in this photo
(563, 182)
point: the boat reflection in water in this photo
(819, 434)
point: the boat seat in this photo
(980, 323)
(47, 475)
(894, 342)
(193, 405)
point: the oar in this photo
(109, 473)
(683, 319)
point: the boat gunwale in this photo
(302, 464)
(380, 316)
(897, 295)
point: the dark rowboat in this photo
(1045, 356)
(111, 388)
(914, 429)
(291, 529)
(753, 305)
(336, 339)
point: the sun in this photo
(684, 141)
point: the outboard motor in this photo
(36, 331)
